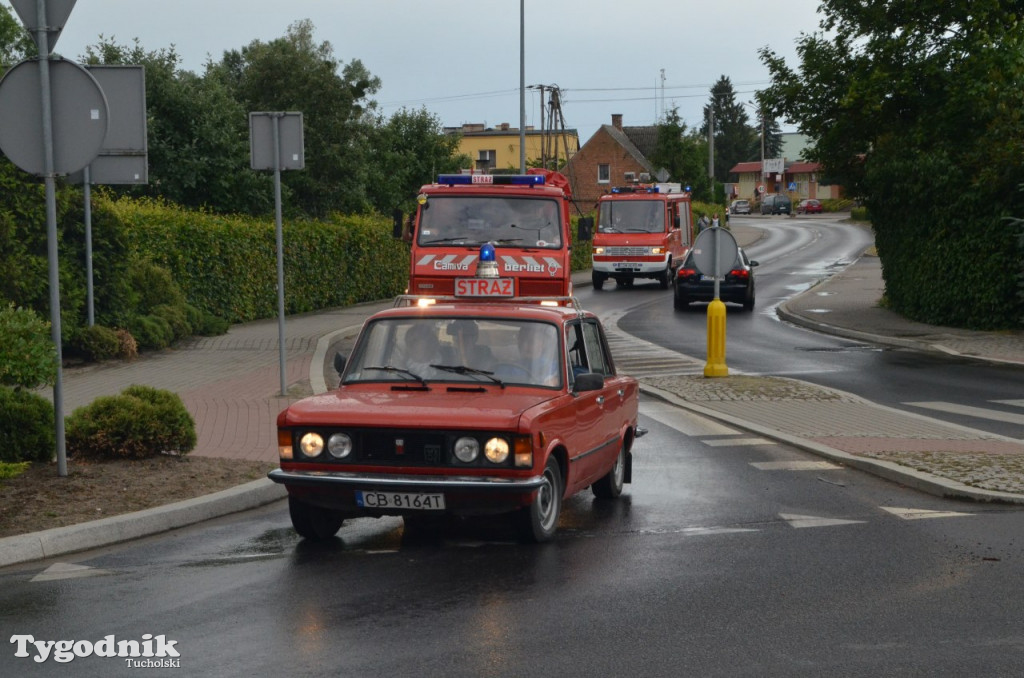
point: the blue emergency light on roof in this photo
(498, 179)
(637, 189)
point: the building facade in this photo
(497, 148)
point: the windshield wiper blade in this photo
(399, 370)
(462, 240)
(462, 369)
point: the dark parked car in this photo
(737, 286)
(776, 203)
(809, 206)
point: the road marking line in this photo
(919, 514)
(799, 521)
(729, 442)
(981, 413)
(68, 571)
(685, 422)
(795, 465)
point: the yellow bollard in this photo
(715, 366)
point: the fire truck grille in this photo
(627, 251)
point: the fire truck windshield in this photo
(631, 216)
(504, 220)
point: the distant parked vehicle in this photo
(736, 287)
(809, 206)
(776, 203)
(739, 207)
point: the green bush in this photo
(127, 347)
(27, 431)
(27, 355)
(151, 332)
(176, 318)
(141, 422)
(154, 286)
(96, 343)
(860, 214)
(14, 470)
(212, 326)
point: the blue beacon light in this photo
(487, 266)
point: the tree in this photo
(410, 149)
(15, 42)
(294, 73)
(198, 136)
(918, 107)
(734, 136)
(682, 154)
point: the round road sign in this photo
(79, 114)
(714, 252)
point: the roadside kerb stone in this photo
(106, 531)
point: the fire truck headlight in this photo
(599, 250)
(657, 250)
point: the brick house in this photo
(614, 156)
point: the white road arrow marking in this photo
(799, 521)
(68, 571)
(918, 514)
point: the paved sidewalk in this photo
(230, 384)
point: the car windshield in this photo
(499, 351)
(504, 220)
(631, 216)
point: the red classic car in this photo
(809, 206)
(464, 408)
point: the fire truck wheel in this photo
(598, 280)
(539, 520)
(312, 522)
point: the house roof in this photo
(791, 167)
(746, 167)
(623, 139)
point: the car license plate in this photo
(485, 287)
(403, 500)
(627, 266)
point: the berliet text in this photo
(64, 651)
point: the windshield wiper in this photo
(462, 240)
(462, 369)
(400, 370)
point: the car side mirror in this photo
(585, 228)
(753, 262)
(589, 381)
(339, 363)
(396, 229)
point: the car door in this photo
(598, 413)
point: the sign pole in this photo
(276, 123)
(87, 197)
(51, 234)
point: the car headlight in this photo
(657, 250)
(467, 449)
(598, 251)
(339, 445)
(312, 444)
(496, 450)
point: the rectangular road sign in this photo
(290, 141)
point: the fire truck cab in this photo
(643, 231)
(525, 218)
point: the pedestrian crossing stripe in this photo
(795, 465)
(59, 571)
(979, 412)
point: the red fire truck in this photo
(525, 217)
(642, 232)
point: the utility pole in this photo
(711, 145)
(522, 86)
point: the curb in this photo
(61, 540)
(925, 482)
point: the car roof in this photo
(500, 310)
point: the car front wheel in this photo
(312, 522)
(539, 520)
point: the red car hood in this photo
(378, 405)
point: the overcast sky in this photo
(460, 58)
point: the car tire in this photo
(748, 303)
(539, 521)
(679, 302)
(313, 522)
(610, 485)
(598, 280)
